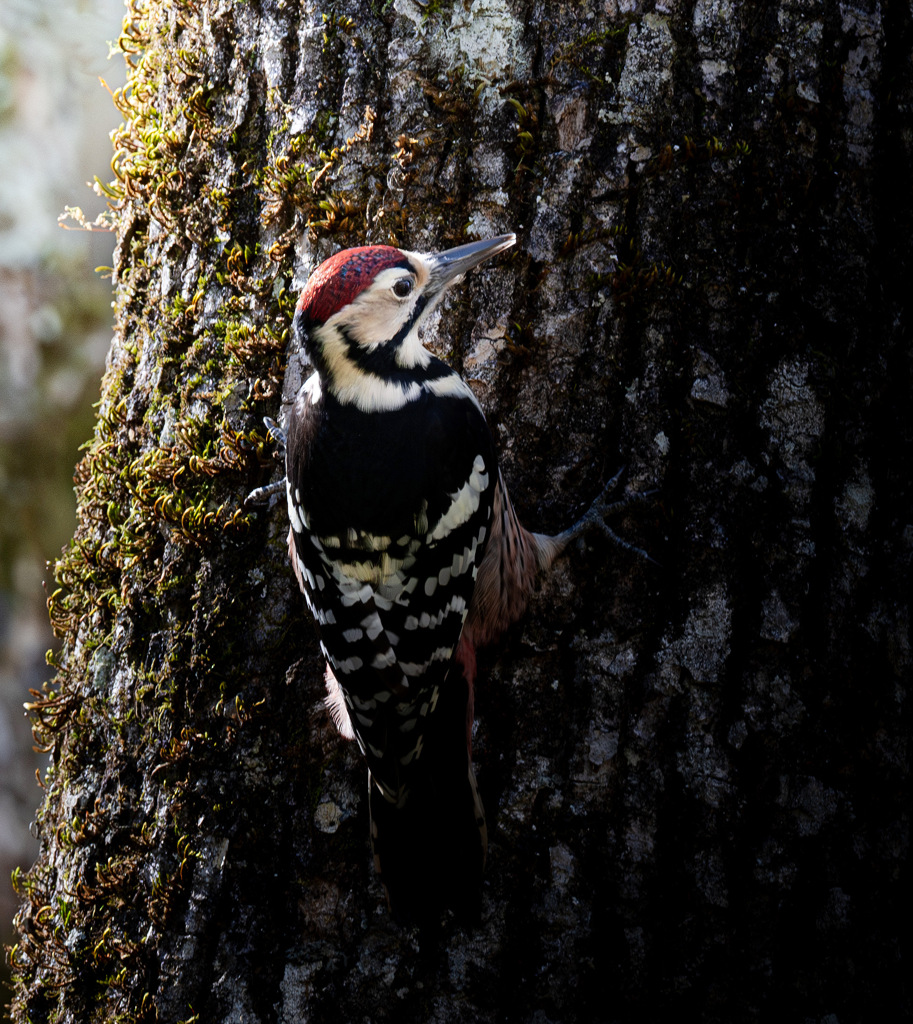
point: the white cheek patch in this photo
(411, 352)
(375, 314)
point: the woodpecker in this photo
(409, 554)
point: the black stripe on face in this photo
(420, 303)
(380, 361)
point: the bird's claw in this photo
(276, 433)
(601, 508)
(261, 495)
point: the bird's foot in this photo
(261, 495)
(601, 508)
(276, 433)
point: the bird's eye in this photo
(402, 288)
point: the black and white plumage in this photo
(408, 552)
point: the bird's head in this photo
(359, 314)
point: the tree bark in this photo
(697, 772)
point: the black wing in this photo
(391, 515)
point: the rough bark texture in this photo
(698, 773)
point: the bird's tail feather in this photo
(430, 851)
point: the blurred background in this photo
(55, 327)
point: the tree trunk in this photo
(696, 772)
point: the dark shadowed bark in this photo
(697, 772)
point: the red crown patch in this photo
(338, 280)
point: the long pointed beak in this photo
(450, 264)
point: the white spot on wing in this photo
(350, 592)
(384, 660)
(455, 604)
(414, 668)
(296, 514)
(351, 664)
(372, 626)
(463, 503)
(478, 479)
